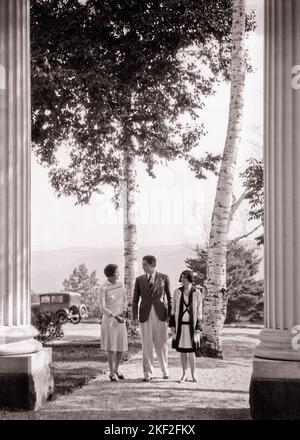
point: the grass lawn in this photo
(75, 365)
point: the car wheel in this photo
(75, 319)
(62, 317)
(83, 311)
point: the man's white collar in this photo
(153, 275)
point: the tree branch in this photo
(247, 235)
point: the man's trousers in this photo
(154, 333)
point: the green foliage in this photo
(132, 331)
(87, 284)
(253, 182)
(105, 72)
(50, 328)
(246, 304)
(245, 293)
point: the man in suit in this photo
(153, 289)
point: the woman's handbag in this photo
(198, 345)
(198, 353)
(172, 325)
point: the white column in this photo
(275, 384)
(16, 333)
(282, 179)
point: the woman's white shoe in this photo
(183, 379)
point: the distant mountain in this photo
(51, 267)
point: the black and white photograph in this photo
(150, 213)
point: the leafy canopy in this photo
(111, 76)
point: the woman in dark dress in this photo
(185, 322)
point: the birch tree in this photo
(110, 82)
(216, 297)
(129, 221)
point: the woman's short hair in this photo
(110, 270)
(150, 260)
(188, 274)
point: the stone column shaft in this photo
(282, 165)
(25, 376)
(15, 330)
(275, 384)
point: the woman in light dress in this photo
(186, 322)
(113, 305)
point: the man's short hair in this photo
(150, 260)
(110, 270)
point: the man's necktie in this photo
(151, 282)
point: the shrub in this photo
(132, 331)
(246, 304)
(245, 293)
(87, 284)
(48, 326)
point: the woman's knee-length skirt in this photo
(113, 335)
(185, 343)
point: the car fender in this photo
(66, 311)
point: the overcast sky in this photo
(173, 208)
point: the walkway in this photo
(220, 393)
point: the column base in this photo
(25, 380)
(18, 339)
(275, 390)
(275, 382)
(278, 345)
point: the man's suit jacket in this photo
(160, 297)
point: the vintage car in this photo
(66, 306)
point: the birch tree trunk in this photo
(129, 224)
(215, 302)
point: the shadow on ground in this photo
(188, 413)
(74, 366)
(221, 392)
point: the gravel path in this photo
(220, 393)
